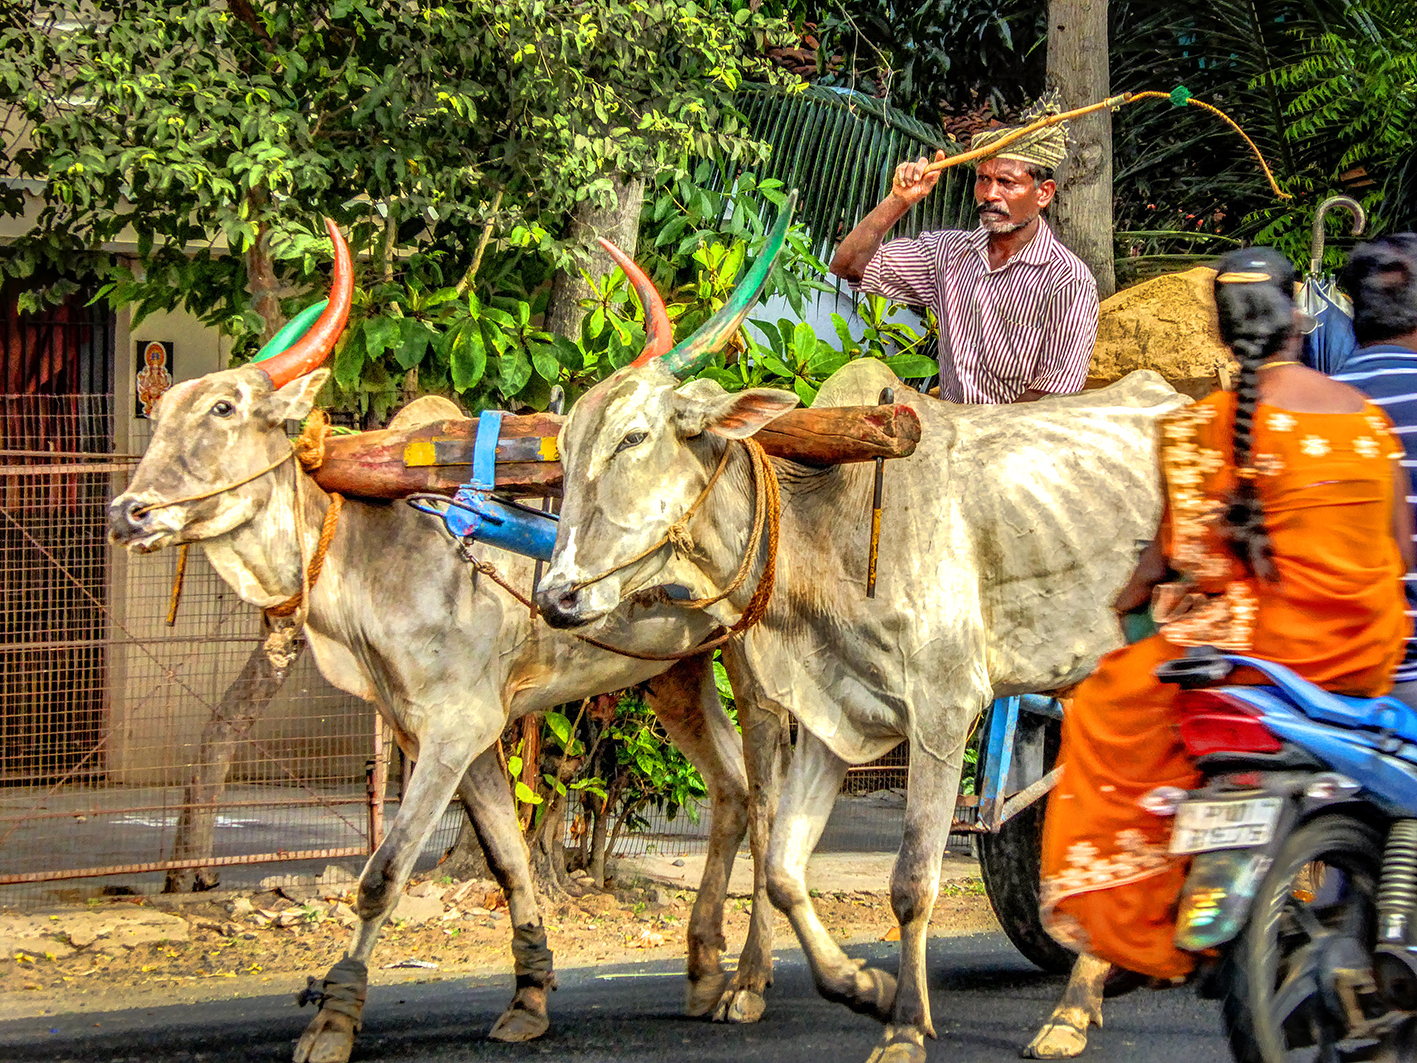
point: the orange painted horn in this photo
(314, 347)
(659, 336)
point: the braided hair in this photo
(1255, 305)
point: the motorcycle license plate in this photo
(1204, 826)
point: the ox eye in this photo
(222, 408)
(634, 439)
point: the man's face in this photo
(1007, 196)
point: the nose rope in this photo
(678, 534)
(767, 513)
(310, 449)
(143, 511)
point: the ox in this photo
(449, 658)
(1007, 535)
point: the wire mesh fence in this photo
(134, 752)
(868, 816)
(130, 749)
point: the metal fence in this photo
(129, 747)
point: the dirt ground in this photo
(92, 957)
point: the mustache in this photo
(990, 208)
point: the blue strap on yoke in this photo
(473, 515)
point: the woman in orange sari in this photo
(1281, 535)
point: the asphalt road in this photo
(987, 1001)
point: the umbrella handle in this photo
(1316, 246)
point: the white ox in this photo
(449, 658)
(1005, 538)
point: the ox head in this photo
(200, 477)
(639, 448)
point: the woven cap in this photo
(1046, 147)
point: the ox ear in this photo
(294, 401)
(735, 416)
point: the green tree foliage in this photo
(1352, 102)
(421, 128)
(927, 57)
(838, 148)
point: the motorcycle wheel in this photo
(1317, 903)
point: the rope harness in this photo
(309, 449)
(767, 512)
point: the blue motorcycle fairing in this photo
(1381, 714)
(1389, 775)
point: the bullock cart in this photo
(490, 462)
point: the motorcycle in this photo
(1302, 892)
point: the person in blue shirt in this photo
(1381, 279)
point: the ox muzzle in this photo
(131, 523)
(563, 604)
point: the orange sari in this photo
(1335, 616)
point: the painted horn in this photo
(694, 353)
(658, 333)
(291, 331)
(315, 346)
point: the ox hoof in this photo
(875, 995)
(525, 1018)
(328, 1039)
(701, 995)
(740, 1006)
(1059, 1039)
(900, 1046)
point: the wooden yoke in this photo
(437, 457)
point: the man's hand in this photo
(911, 183)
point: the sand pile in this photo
(1166, 324)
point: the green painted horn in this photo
(291, 331)
(690, 356)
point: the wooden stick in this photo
(376, 464)
(1113, 102)
(1032, 127)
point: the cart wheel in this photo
(1010, 863)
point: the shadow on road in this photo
(986, 1000)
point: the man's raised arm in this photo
(909, 186)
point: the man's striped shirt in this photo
(1387, 374)
(1031, 323)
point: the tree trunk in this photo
(598, 837)
(260, 271)
(547, 852)
(1077, 68)
(620, 224)
(230, 724)
(466, 859)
